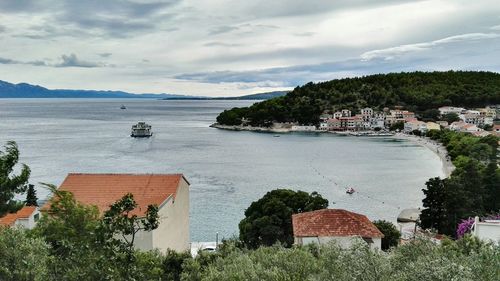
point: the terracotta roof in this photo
(333, 222)
(24, 213)
(102, 190)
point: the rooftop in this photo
(102, 190)
(24, 213)
(333, 222)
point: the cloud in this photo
(393, 52)
(105, 55)
(7, 61)
(73, 61)
(220, 44)
(222, 29)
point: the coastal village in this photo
(370, 122)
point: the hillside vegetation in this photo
(417, 91)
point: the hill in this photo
(416, 91)
(24, 90)
(260, 96)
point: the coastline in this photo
(435, 147)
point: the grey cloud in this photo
(2, 28)
(73, 61)
(461, 52)
(105, 55)
(7, 61)
(221, 44)
(393, 52)
(222, 29)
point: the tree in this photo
(11, 184)
(391, 234)
(433, 215)
(450, 117)
(269, 219)
(121, 221)
(31, 199)
(397, 126)
(22, 257)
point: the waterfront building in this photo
(450, 109)
(170, 192)
(337, 115)
(341, 226)
(346, 113)
(26, 217)
(488, 230)
(432, 126)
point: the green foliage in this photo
(418, 260)
(269, 219)
(430, 115)
(31, 199)
(22, 258)
(121, 224)
(450, 117)
(418, 91)
(86, 246)
(172, 265)
(11, 184)
(391, 234)
(472, 189)
(397, 126)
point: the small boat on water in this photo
(141, 130)
(123, 107)
(350, 190)
(276, 136)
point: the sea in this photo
(228, 170)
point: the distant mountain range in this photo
(24, 90)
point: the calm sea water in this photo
(227, 170)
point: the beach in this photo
(435, 147)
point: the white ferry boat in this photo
(141, 130)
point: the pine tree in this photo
(31, 199)
(11, 184)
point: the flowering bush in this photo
(464, 227)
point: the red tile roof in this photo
(24, 213)
(333, 222)
(102, 190)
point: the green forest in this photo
(415, 91)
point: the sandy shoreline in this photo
(435, 147)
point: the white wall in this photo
(487, 231)
(173, 231)
(29, 222)
(343, 241)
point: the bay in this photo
(227, 170)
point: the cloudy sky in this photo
(232, 47)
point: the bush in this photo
(391, 234)
(22, 257)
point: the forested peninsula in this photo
(415, 91)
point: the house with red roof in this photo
(170, 192)
(341, 226)
(26, 217)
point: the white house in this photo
(169, 192)
(487, 230)
(25, 217)
(450, 109)
(341, 226)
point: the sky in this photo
(233, 47)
